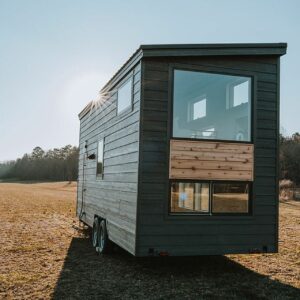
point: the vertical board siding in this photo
(192, 235)
(114, 197)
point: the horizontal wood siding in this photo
(210, 160)
(192, 235)
(113, 197)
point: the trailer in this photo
(181, 155)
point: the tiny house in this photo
(181, 158)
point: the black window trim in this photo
(210, 213)
(250, 198)
(189, 213)
(194, 68)
(101, 175)
(128, 109)
(194, 217)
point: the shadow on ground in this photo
(86, 275)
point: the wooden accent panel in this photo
(210, 160)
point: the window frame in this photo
(250, 198)
(179, 67)
(210, 212)
(188, 213)
(100, 175)
(130, 106)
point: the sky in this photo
(56, 55)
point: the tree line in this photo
(59, 164)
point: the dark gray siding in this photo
(182, 235)
(115, 196)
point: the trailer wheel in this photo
(95, 232)
(104, 244)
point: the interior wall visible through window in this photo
(211, 106)
(213, 197)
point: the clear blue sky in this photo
(55, 55)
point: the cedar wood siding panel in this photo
(115, 196)
(210, 160)
(192, 235)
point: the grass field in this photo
(45, 254)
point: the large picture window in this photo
(211, 106)
(213, 197)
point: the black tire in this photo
(104, 244)
(95, 232)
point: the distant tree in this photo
(37, 153)
(5, 167)
(290, 158)
(54, 164)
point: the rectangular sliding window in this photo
(124, 97)
(209, 197)
(230, 197)
(100, 155)
(211, 106)
(187, 197)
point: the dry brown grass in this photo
(44, 254)
(36, 231)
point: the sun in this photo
(81, 89)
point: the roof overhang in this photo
(179, 50)
(213, 49)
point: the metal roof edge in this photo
(214, 46)
(214, 49)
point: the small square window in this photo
(124, 97)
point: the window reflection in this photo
(211, 106)
(195, 197)
(189, 197)
(124, 96)
(230, 198)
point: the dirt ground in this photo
(44, 254)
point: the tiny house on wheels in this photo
(181, 155)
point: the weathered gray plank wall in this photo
(187, 235)
(114, 197)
